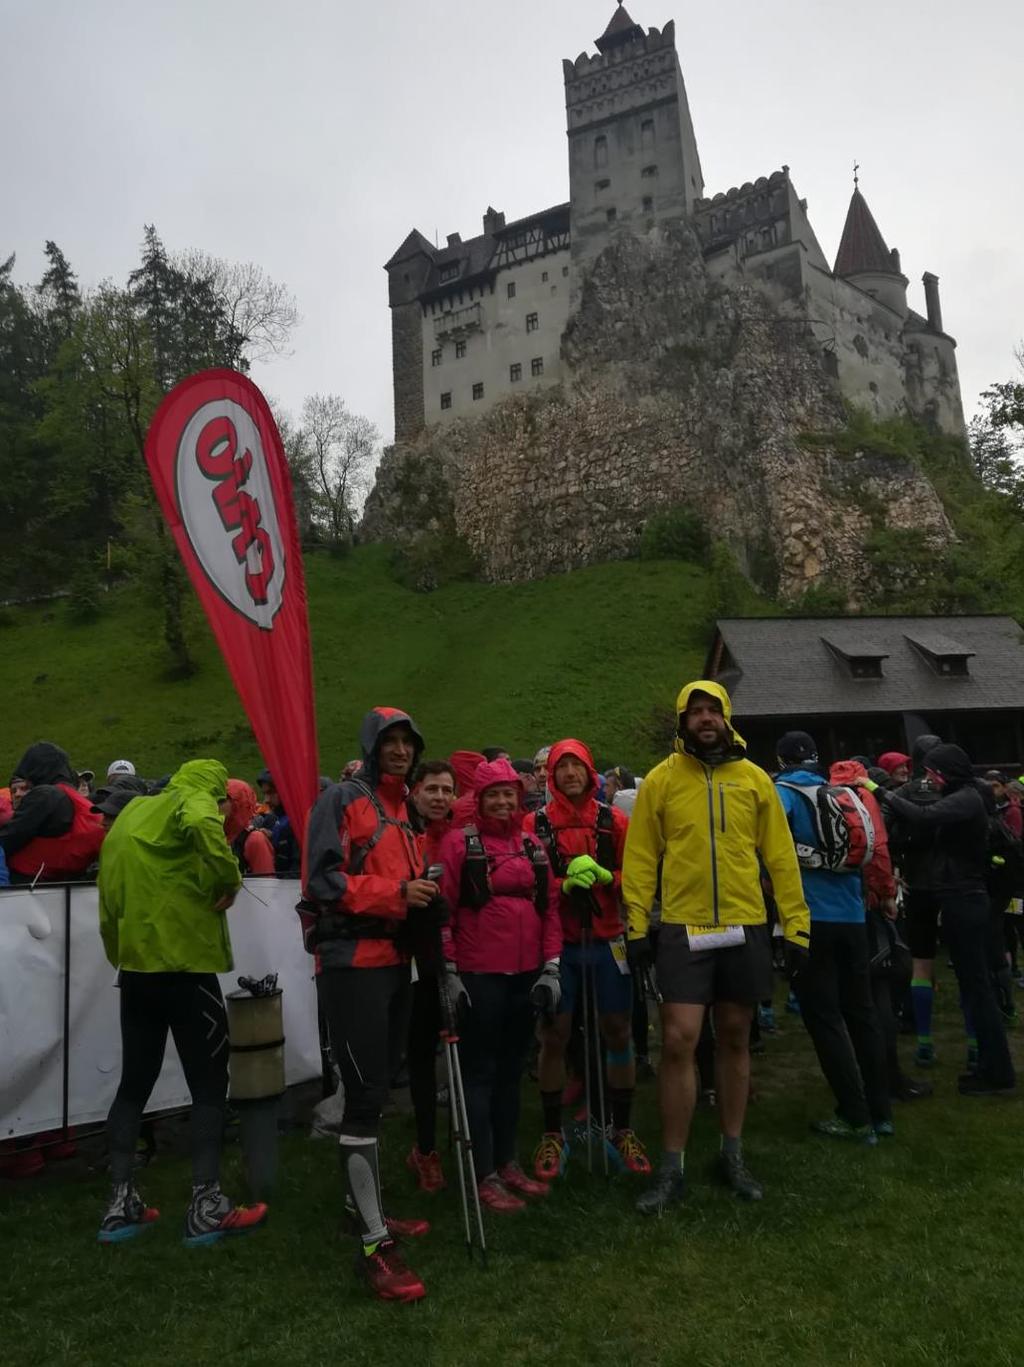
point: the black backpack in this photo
(604, 840)
(476, 890)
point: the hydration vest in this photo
(604, 840)
(57, 857)
(476, 891)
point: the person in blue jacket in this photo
(834, 988)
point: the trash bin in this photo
(256, 1033)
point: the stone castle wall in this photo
(678, 390)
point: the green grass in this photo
(905, 1254)
(587, 654)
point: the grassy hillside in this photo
(589, 653)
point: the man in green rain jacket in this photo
(167, 877)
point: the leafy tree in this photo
(342, 450)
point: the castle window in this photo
(446, 399)
(532, 322)
(510, 289)
(478, 390)
(435, 357)
(460, 350)
(648, 204)
(450, 272)
(537, 366)
(515, 373)
(649, 171)
(647, 134)
(600, 185)
(611, 215)
(544, 278)
(565, 270)
(600, 152)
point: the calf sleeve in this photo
(359, 1161)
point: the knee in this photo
(678, 1046)
(617, 1033)
(554, 1035)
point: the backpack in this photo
(359, 854)
(604, 840)
(843, 825)
(1003, 845)
(476, 890)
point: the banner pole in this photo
(66, 1069)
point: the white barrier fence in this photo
(60, 1042)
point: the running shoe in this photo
(766, 1020)
(514, 1177)
(127, 1215)
(551, 1156)
(211, 1216)
(397, 1228)
(735, 1174)
(427, 1167)
(924, 1055)
(383, 1269)
(792, 1005)
(837, 1128)
(667, 1189)
(496, 1196)
(885, 1129)
(976, 1084)
(628, 1154)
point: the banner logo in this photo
(227, 507)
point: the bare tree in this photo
(260, 314)
(342, 451)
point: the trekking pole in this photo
(649, 984)
(458, 1118)
(598, 1054)
(585, 988)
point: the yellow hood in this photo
(714, 690)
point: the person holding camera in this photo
(502, 949)
(365, 898)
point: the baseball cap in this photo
(796, 745)
(120, 766)
(115, 801)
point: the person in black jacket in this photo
(956, 874)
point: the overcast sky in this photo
(311, 136)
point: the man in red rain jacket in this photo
(364, 884)
(584, 840)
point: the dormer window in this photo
(860, 659)
(450, 272)
(944, 656)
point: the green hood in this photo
(164, 866)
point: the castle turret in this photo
(408, 272)
(866, 261)
(633, 159)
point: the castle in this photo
(474, 322)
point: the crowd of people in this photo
(547, 904)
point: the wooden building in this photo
(864, 685)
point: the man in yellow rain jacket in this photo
(706, 819)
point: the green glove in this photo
(583, 863)
(585, 879)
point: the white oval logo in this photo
(227, 505)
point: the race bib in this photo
(618, 949)
(714, 937)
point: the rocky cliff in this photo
(681, 391)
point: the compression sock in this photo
(922, 995)
(621, 1101)
(362, 1174)
(551, 1105)
(731, 1146)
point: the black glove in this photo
(797, 959)
(640, 955)
(456, 991)
(546, 993)
(433, 916)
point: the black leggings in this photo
(366, 1012)
(421, 1060)
(191, 1007)
(494, 1039)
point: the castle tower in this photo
(633, 159)
(866, 261)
